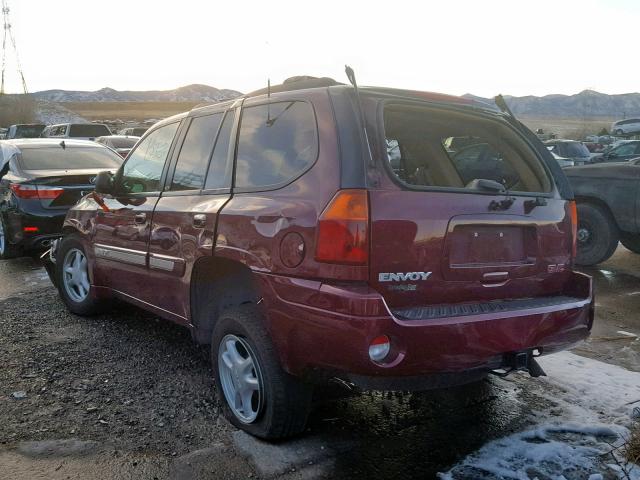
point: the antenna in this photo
(8, 33)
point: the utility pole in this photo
(8, 34)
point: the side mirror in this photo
(104, 183)
(612, 154)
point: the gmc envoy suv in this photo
(392, 239)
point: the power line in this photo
(8, 33)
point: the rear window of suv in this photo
(88, 130)
(431, 148)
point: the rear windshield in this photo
(123, 142)
(28, 131)
(431, 148)
(70, 158)
(88, 130)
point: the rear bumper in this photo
(49, 227)
(323, 328)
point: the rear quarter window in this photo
(277, 142)
(433, 148)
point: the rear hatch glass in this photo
(470, 213)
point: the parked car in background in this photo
(43, 179)
(626, 127)
(563, 162)
(570, 149)
(299, 253)
(607, 195)
(120, 143)
(25, 130)
(620, 151)
(80, 131)
(133, 131)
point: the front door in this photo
(122, 228)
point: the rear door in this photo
(184, 220)
(442, 230)
(122, 229)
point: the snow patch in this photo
(568, 452)
(597, 401)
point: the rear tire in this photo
(72, 277)
(280, 406)
(7, 249)
(631, 242)
(597, 234)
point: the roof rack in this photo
(299, 82)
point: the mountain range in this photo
(586, 104)
(195, 93)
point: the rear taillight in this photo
(343, 229)
(573, 212)
(41, 192)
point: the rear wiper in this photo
(493, 186)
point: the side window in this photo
(219, 175)
(191, 166)
(143, 168)
(625, 149)
(276, 143)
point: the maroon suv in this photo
(392, 239)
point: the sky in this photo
(451, 46)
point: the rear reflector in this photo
(41, 192)
(343, 229)
(573, 212)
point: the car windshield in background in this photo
(70, 158)
(88, 130)
(430, 150)
(123, 142)
(29, 131)
(576, 149)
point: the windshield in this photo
(88, 130)
(28, 131)
(70, 158)
(576, 149)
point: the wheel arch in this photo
(600, 203)
(216, 284)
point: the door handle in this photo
(199, 220)
(140, 217)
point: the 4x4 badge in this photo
(403, 277)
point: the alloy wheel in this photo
(75, 275)
(240, 378)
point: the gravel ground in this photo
(122, 377)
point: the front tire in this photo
(631, 242)
(597, 234)
(72, 277)
(257, 395)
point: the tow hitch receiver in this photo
(520, 361)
